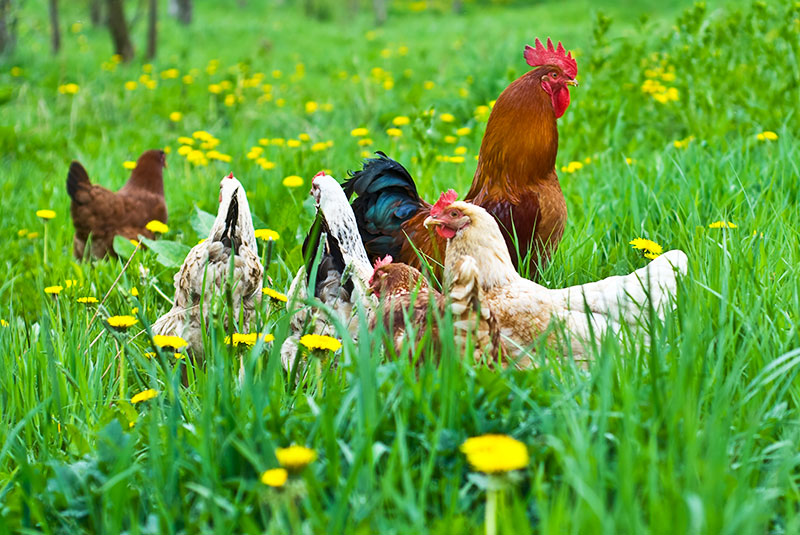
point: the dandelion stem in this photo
(491, 510)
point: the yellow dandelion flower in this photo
(69, 283)
(394, 132)
(129, 164)
(767, 136)
(365, 142)
(722, 224)
(68, 89)
(267, 234)
(456, 159)
(428, 85)
(651, 256)
(53, 290)
(144, 395)
(157, 227)
(319, 146)
(121, 322)
(293, 143)
(401, 120)
(295, 457)
(277, 141)
(131, 85)
(646, 245)
(33, 235)
(45, 214)
(175, 116)
(495, 453)
(135, 291)
(447, 117)
(450, 139)
(460, 150)
(269, 292)
(304, 137)
(215, 89)
(187, 79)
(3, 323)
(274, 478)
(173, 342)
(463, 131)
(22, 232)
(359, 132)
(249, 339)
(183, 140)
(184, 150)
(88, 300)
(311, 106)
(630, 161)
(318, 341)
(293, 181)
(134, 310)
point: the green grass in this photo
(697, 434)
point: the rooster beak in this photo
(573, 83)
(430, 220)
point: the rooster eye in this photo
(453, 214)
(554, 75)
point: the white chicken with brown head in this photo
(208, 271)
(342, 270)
(523, 310)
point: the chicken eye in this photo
(454, 214)
(554, 75)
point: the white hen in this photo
(522, 310)
(207, 271)
(343, 269)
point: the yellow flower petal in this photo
(275, 478)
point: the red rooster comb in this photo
(385, 261)
(445, 199)
(551, 56)
(321, 173)
(230, 175)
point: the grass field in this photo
(684, 117)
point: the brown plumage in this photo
(403, 292)
(406, 298)
(515, 180)
(104, 214)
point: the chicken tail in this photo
(77, 179)
(387, 198)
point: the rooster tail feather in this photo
(387, 198)
(77, 178)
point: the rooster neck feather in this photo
(521, 141)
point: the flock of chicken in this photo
(363, 260)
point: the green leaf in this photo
(123, 247)
(168, 253)
(201, 222)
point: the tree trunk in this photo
(185, 11)
(380, 11)
(96, 12)
(8, 26)
(119, 30)
(55, 30)
(152, 29)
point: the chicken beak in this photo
(573, 83)
(429, 221)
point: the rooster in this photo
(104, 214)
(523, 310)
(515, 180)
(342, 270)
(206, 272)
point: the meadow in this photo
(683, 131)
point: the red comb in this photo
(321, 173)
(230, 175)
(551, 56)
(445, 199)
(385, 261)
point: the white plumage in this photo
(207, 271)
(522, 310)
(342, 271)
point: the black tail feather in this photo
(77, 178)
(387, 198)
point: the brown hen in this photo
(103, 214)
